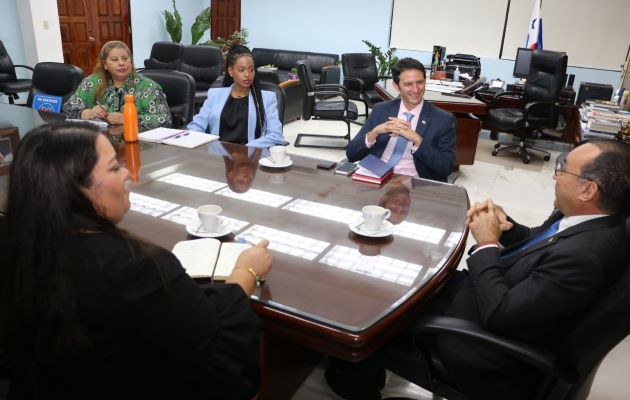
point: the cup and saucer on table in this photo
(373, 223)
(210, 223)
(278, 158)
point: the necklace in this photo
(238, 95)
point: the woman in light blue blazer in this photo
(240, 112)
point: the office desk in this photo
(465, 110)
(329, 291)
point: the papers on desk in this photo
(442, 86)
(177, 137)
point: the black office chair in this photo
(336, 110)
(56, 79)
(568, 372)
(540, 93)
(179, 89)
(359, 76)
(280, 98)
(164, 55)
(205, 64)
(10, 85)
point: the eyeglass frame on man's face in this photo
(560, 168)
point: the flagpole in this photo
(507, 12)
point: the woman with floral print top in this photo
(102, 94)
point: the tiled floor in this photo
(526, 192)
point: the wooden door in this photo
(87, 24)
(226, 17)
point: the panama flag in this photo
(534, 35)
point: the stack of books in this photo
(602, 119)
(373, 170)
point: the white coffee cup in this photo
(278, 154)
(373, 217)
(209, 216)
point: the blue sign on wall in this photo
(44, 102)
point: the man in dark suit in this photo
(411, 134)
(533, 284)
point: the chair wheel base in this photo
(494, 153)
(547, 158)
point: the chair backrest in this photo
(53, 78)
(547, 73)
(605, 325)
(360, 65)
(307, 80)
(280, 96)
(164, 55)
(7, 70)
(204, 63)
(179, 88)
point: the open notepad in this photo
(177, 137)
(208, 258)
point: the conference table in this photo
(330, 291)
(465, 108)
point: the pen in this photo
(186, 133)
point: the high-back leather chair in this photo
(53, 78)
(567, 371)
(336, 110)
(205, 64)
(280, 96)
(164, 55)
(359, 76)
(10, 85)
(541, 90)
(179, 88)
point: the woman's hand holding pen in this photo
(115, 118)
(97, 112)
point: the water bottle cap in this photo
(129, 97)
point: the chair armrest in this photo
(352, 82)
(321, 93)
(536, 356)
(537, 104)
(23, 66)
(339, 88)
(287, 84)
(504, 94)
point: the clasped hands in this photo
(487, 221)
(100, 112)
(395, 127)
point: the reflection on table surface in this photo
(322, 272)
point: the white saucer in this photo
(266, 162)
(387, 228)
(195, 229)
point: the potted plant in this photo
(384, 61)
(293, 74)
(173, 24)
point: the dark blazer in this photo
(536, 295)
(434, 158)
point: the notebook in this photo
(373, 170)
(177, 137)
(208, 258)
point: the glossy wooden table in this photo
(465, 110)
(330, 291)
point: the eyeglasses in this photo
(560, 167)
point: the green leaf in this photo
(384, 62)
(201, 25)
(173, 24)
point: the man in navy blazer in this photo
(430, 135)
(532, 284)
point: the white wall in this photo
(40, 31)
(148, 25)
(339, 26)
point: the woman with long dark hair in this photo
(240, 112)
(88, 311)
